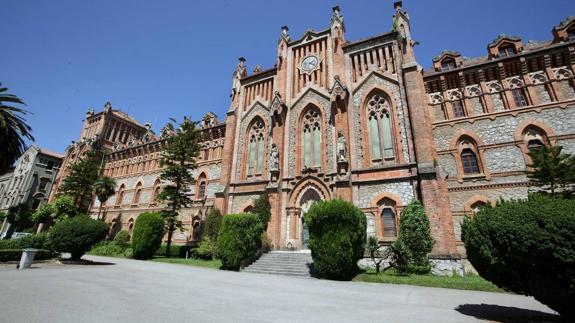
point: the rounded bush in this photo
(147, 235)
(527, 247)
(337, 235)
(239, 239)
(77, 235)
(207, 249)
(122, 239)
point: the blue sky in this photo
(162, 59)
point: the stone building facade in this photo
(362, 121)
(30, 181)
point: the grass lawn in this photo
(214, 264)
(469, 282)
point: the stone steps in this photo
(282, 263)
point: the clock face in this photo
(309, 64)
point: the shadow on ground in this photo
(505, 314)
(85, 262)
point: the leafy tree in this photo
(551, 168)
(2, 215)
(178, 160)
(104, 187)
(79, 181)
(20, 218)
(13, 129)
(415, 233)
(263, 209)
(77, 235)
(42, 215)
(527, 247)
(64, 207)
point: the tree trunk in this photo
(169, 244)
(99, 210)
(40, 227)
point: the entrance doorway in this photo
(307, 200)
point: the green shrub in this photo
(77, 235)
(263, 209)
(122, 239)
(266, 242)
(415, 234)
(337, 235)
(16, 254)
(212, 224)
(147, 235)
(179, 251)
(207, 249)
(107, 248)
(239, 239)
(527, 247)
(129, 253)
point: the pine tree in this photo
(80, 179)
(178, 160)
(551, 168)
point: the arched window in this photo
(248, 209)
(120, 195)
(534, 138)
(156, 191)
(475, 207)
(458, 110)
(256, 146)
(469, 156)
(311, 138)
(379, 128)
(519, 97)
(130, 225)
(388, 217)
(202, 183)
(137, 193)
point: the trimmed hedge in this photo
(77, 235)
(337, 235)
(239, 239)
(147, 235)
(527, 247)
(107, 248)
(16, 254)
(36, 241)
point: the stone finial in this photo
(90, 112)
(397, 5)
(108, 107)
(257, 69)
(148, 125)
(335, 11)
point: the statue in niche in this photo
(341, 148)
(274, 158)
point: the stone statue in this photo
(274, 158)
(341, 148)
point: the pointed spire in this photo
(336, 17)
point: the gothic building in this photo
(362, 121)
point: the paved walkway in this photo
(136, 291)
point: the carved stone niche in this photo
(493, 87)
(473, 90)
(435, 98)
(454, 94)
(276, 107)
(515, 82)
(562, 73)
(537, 78)
(338, 91)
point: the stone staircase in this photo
(288, 263)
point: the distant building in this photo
(30, 180)
(362, 121)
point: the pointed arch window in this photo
(311, 139)
(137, 193)
(120, 195)
(458, 110)
(519, 97)
(379, 128)
(469, 157)
(388, 217)
(202, 184)
(256, 146)
(156, 191)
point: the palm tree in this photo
(104, 187)
(12, 129)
